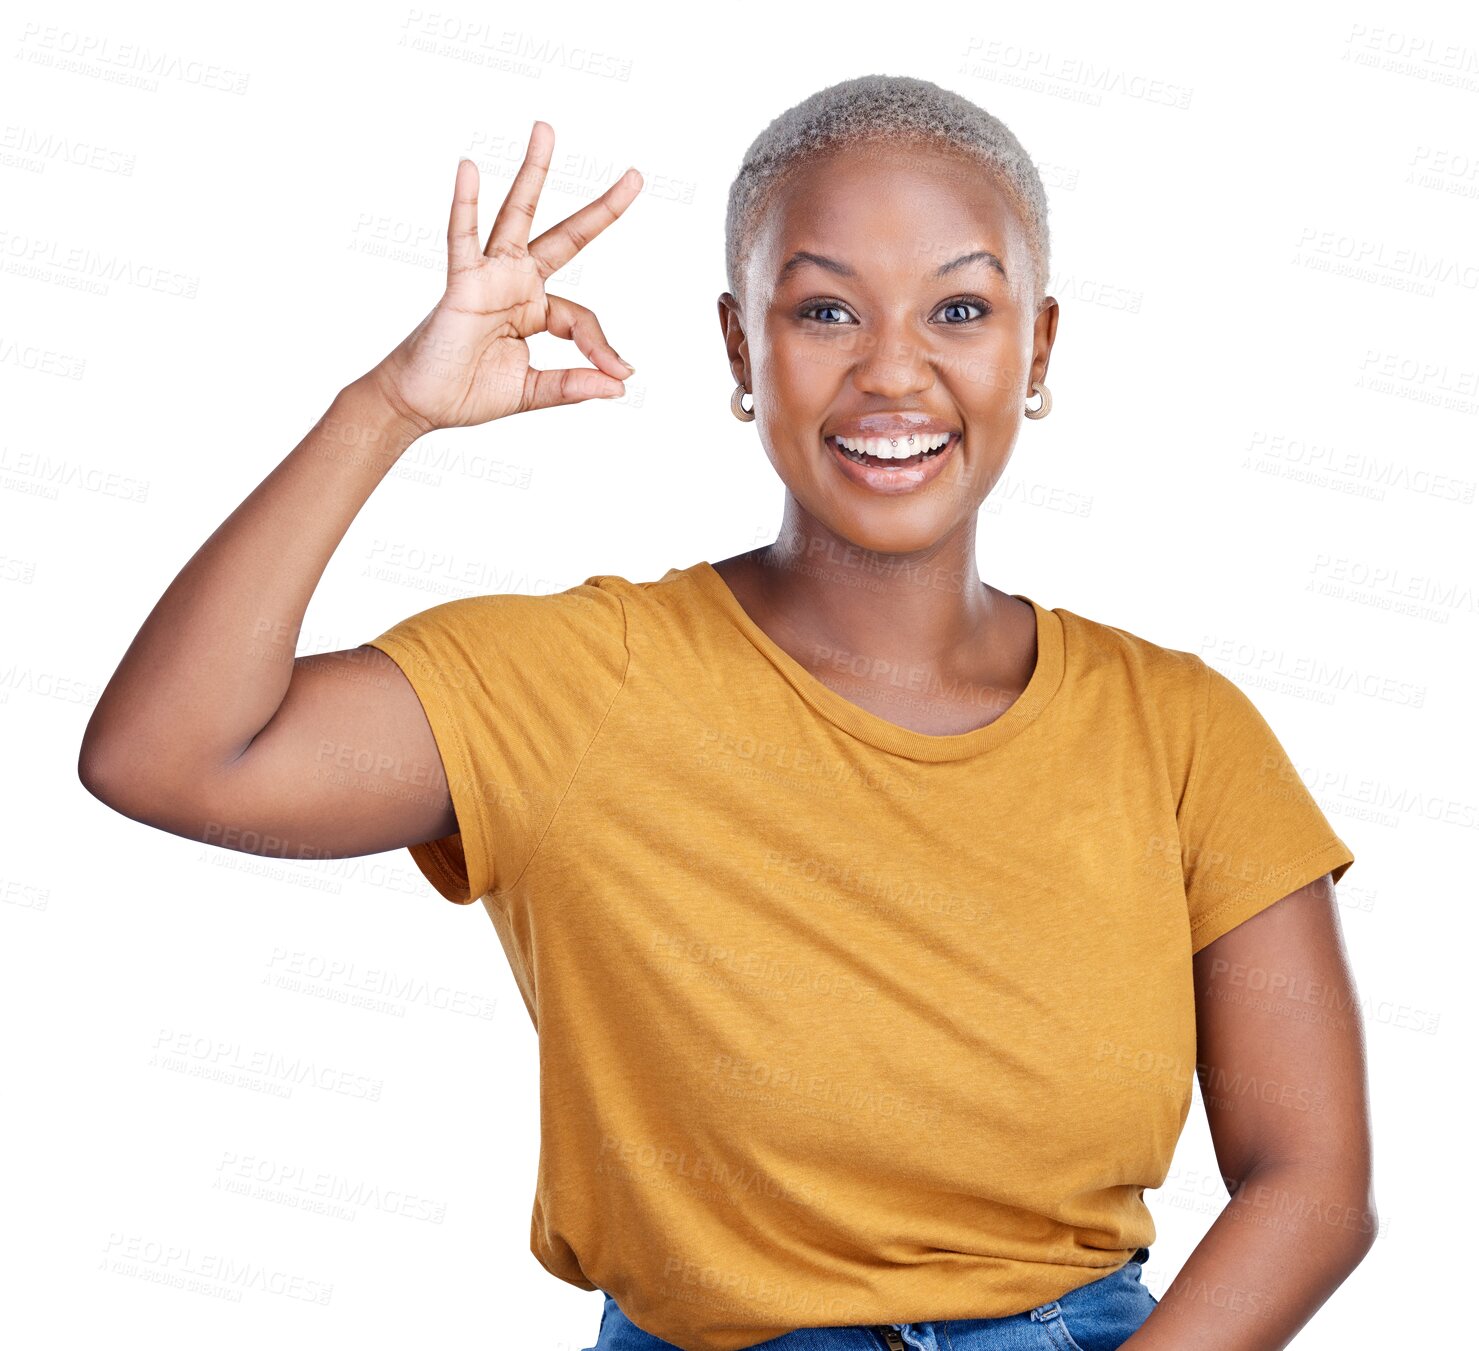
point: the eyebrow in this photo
(801, 257)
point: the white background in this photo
(1266, 393)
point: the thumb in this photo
(548, 389)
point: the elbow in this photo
(94, 768)
(1331, 1203)
(1357, 1229)
(1353, 1210)
(1369, 1229)
(104, 783)
(144, 785)
(104, 770)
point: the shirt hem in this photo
(1332, 856)
(461, 886)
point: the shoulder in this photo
(1097, 651)
(497, 631)
(600, 607)
(675, 611)
(1186, 702)
(675, 588)
(1154, 696)
(586, 606)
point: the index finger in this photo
(516, 214)
(561, 242)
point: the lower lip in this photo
(904, 479)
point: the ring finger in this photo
(516, 215)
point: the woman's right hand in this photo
(467, 361)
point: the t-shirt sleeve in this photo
(515, 688)
(1251, 831)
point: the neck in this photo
(923, 609)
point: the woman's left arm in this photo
(1282, 1063)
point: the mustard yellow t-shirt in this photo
(842, 1022)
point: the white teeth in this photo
(894, 448)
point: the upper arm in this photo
(347, 765)
(1280, 1042)
(455, 733)
(1251, 830)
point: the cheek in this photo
(988, 377)
(808, 364)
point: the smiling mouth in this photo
(884, 452)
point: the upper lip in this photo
(892, 425)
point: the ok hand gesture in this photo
(467, 361)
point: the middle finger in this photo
(562, 241)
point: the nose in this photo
(892, 362)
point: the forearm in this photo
(213, 660)
(1282, 1245)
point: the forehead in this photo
(883, 206)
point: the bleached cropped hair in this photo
(880, 108)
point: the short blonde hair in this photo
(880, 108)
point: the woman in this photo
(874, 920)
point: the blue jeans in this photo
(1095, 1317)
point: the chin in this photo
(898, 537)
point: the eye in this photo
(823, 307)
(966, 303)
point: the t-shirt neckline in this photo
(1047, 676)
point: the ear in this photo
(735, 342)
(1044, 331)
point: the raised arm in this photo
(211, 727)
(180, 737)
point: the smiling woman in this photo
(887, 251)
(875, 921)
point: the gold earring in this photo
(737, 405)
(1045, 406)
